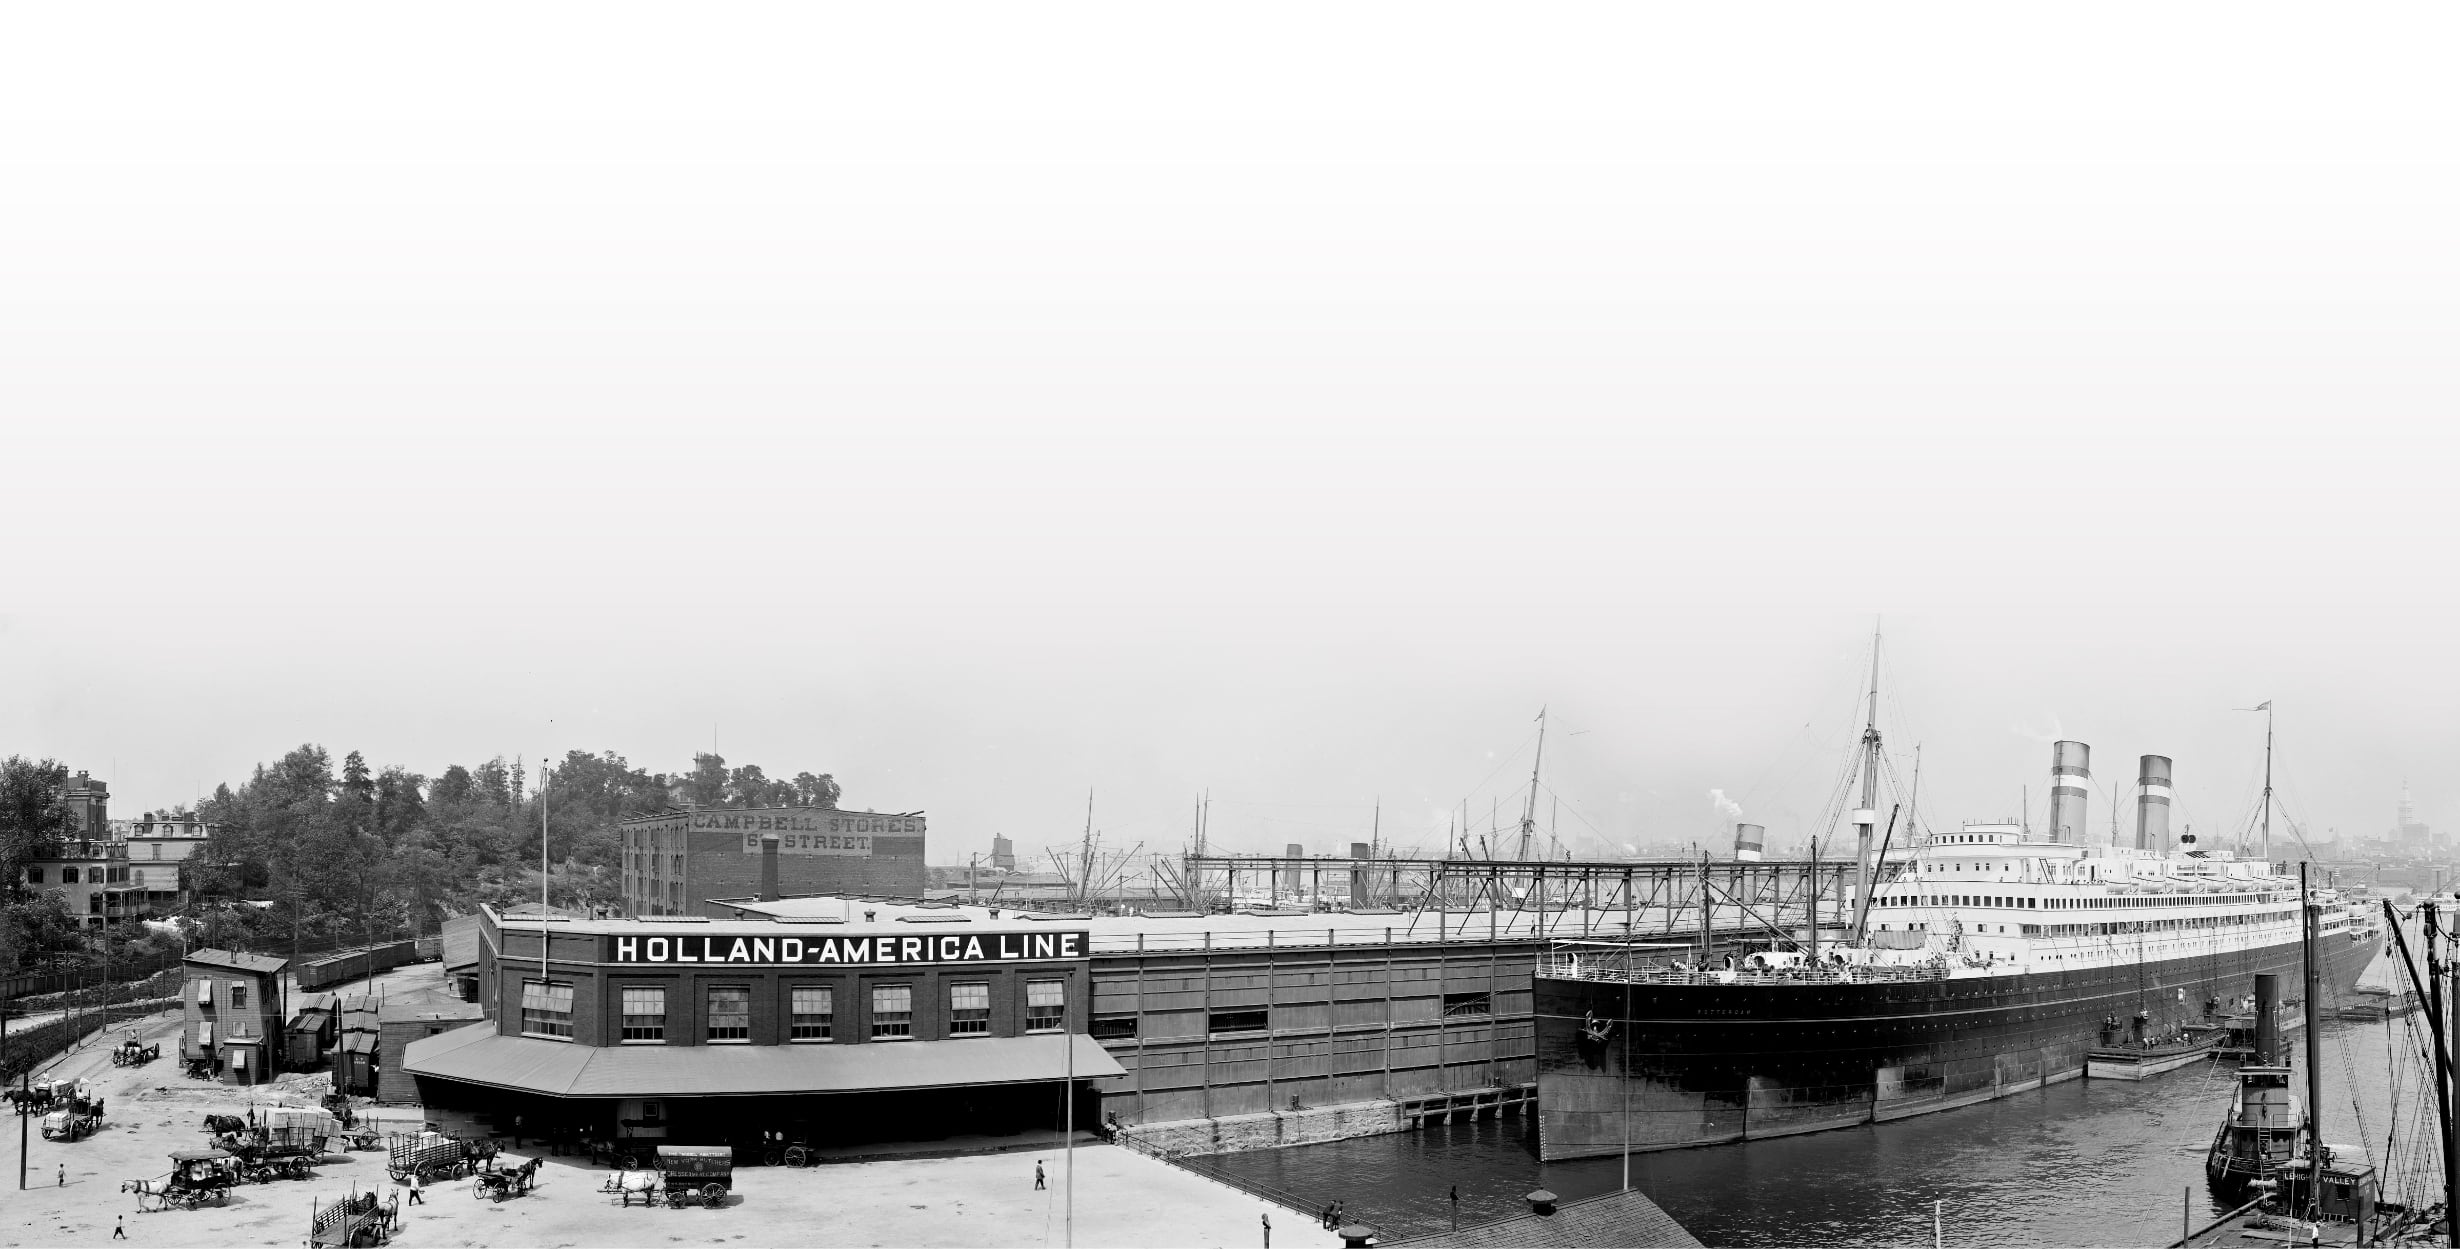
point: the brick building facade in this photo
(681, 1031)
(674, 862)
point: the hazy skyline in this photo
(989, 406)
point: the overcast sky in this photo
(986, 404)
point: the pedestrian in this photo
(1038, 1184)
(119, 1230)
(63, 1175)
(418, 1195)
(1268, 1229)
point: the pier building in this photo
(834, 1017)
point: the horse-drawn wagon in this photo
(133, 1053)
(433, 1156)
(70, 1125)
(704, 1173)
(197, 1176)
(286, 1146)
(355, 1221)
(495, 1183)
(684, 1175)
(73, 1124)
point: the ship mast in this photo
(1867, 813)
(1528, 815)
(2267, 709)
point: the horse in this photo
(157, 1191)
(220, 1125)
(624, 1184)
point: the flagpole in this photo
(1067, 1182)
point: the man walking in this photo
(119, 1230)
(1038, 1184)
(418, 1194)
(63, 1176)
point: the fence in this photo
(25, 1050)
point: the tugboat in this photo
(2265, 1129)
(2271, 1148)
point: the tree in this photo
(816, 791)
(34, 816)
(707, 787)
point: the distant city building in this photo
(2407, 833)
(1003, 855)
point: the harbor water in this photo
(2086, 1162)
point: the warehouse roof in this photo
(479, 1055)
(1152, 930)
(236, 961)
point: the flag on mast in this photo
(2265, 705)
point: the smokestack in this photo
(2152, 803)
(1292, 878)
(768, 867)
(1361, 881)
(1748, 839)
(2071, 775)
(2267, 1019)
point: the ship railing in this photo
(1612, 970)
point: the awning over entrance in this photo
(477, 1055)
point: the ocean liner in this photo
(1987, 962)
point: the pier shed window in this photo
(969, 1010)
(892, 1012)
(815, 1012)
(730, 1014)
(644, 1016)
(546, 1009)
(1046, 1005)
(1230, 1022)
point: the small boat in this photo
(2193, 1044)
(2373, 1002)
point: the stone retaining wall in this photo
(1232, 1134)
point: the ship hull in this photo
(1704, 1064)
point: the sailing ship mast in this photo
(1528, 815)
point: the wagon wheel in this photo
(771, 1157)
(400, 1175)
(714, 1194)
(797, 1156)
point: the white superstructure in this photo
(1991, 900)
